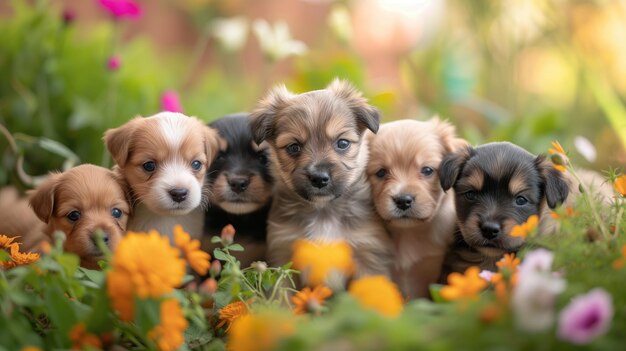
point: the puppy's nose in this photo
(106, 237)
(404, 201)
(490, 230)
(238, 184)
(319, 179)
(178, 194)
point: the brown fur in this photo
(422, 232)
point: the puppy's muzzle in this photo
(403, 202)
(178, 194)
(319, 178)
(238, 184)
(490, 229)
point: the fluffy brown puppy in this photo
(403, 170)
(319, 160)
(79, 202)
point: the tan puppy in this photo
(418, 214)
(79, 202)
(164, 158)
(319, 153)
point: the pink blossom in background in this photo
(121, 8)
(586, 317)
(68, 16)
(486, 275)
(114, 63)
(170, 101)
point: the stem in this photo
(594, 211)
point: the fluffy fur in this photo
(79, 202)
(164, 158)
(319, 159)
(403, 172)
(240, 187)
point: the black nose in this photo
(403, 202)
(238, 184)
(319, 179)
(105, 236)
(178, 194)
(490, 230)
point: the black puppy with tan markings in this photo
(319, 145)
(496, 186)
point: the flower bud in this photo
(228, 234)
(259, 266)
(216, 268)
(209, 286)
(558, 159)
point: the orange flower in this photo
(309, 300)
(619, 263)
(81, 338)
(509, 262)
(525, 228)
(259, 332)
(7, 242)
(31, 348)
(17, 258)
(463, 286)
(558, 156)
(620, 184)
(231, 312)
(317, 261)
(169, 333)
(377, 292)
(190, 248)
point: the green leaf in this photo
(100, 320)
(93, 275)
(235, 247)
(196, 336)
(216, 239)
(220, 255)
(435, 292)
(147, 314)
(61, 312)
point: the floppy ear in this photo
(447, 135)
(451, 166)
(556, 188)
(117, 140)
(41, 199)
(213, 143)
(366, 114)
(262, 117)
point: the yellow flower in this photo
(168, 335)
(259, 332)
(316, 260)
(463, 286)
(17, 258)
(309, 300)
(525, 228)
(619, 263)
(620, 184)
(143, 265)
(7, 242)
(558, 156)
(190, 248)
(377, 292)
(509, 261)
(231, 312)
(81, 338)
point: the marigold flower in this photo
(259, 332)
(525, 228)
(558, 156)
(308, 300)
(316, 261)
(231, 312)
(190, 248)
(170, 102)
(17, 258)
(377, 292)
(586, 317)
(620, 184)
(81, 338)
(463, 286)
(509, 261)
(7, 242)
(168, 335)
(121, 8)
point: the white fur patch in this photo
(239, 207)
(174, 127)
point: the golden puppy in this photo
(420, 217)
(164, 158)
(79, 202)
(319, 152)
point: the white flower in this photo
(585, 148)
(533, 300)
(539, 260)
(276, 42)
(340, 22)
(231, 33)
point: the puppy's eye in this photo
(427, 171)
(381, 173)
(73, 216)
(470, 195)
(521, 201)
(116, 213)
(343, 144)
(149, 166)
(196, 165)
(294, 149)
(262, 158)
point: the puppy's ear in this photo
(41, 199)
(117, 140)
(262, 117)
(556, 188)
(366, 114)
(213, 143)
(451, 166)
(447, 134)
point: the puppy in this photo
(496, 186)
(80, 202)
(240, 189)
(403, 172)
(319, 158)
(164, 158)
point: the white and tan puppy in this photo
(419, 216)
(164, 159)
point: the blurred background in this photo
(527, 71)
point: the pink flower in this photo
(539, 260)
(114, 63)
(121, 8)
(586, 317)
(170, 102)
(68, 16)
(486, 275)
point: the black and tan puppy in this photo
(319, 158)
(496, 187)
(240, 187)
